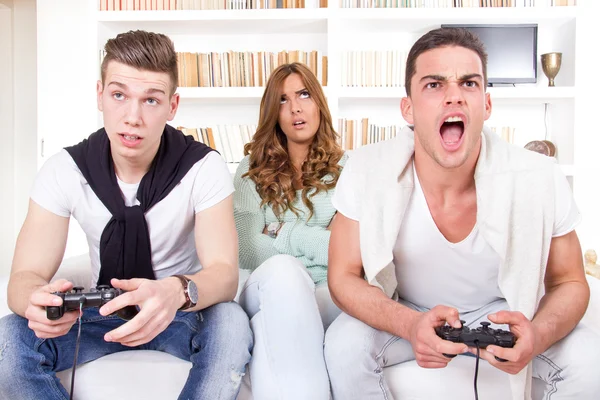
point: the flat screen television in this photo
(512, 52)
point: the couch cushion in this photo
(408, 381)
(137, 374)
(154, 375)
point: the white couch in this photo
(152, 375)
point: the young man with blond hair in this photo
(156, 208)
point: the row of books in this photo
(229, 140)
(160, 5)
(243, 68)
(453, 3)
(358, 133)
(373, 68)
(506, 132)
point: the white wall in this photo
(67, 60)
(25, 104)
(587, 145)
(7, 234)
(18, 109)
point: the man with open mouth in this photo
(449, 224)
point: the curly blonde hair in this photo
(270, 166)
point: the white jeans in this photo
(288, 320)
(357, 353)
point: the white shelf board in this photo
(417, 19)
(220, 92)
(224, 92)
(526, 93)
(532, 92)
(211, 15)
(371, 92)
(497, 13)
(218, 22)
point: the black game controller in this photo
(96, 298)
(480, 337)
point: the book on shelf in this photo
(243, 68)
(228, 140)
(370, 68)
(171, 5)
(453, 3)
(357, 133)
(506, 132)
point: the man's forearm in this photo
(369, 304)
(559, 312)
(216, 284)
(20, 287)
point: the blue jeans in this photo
(217, 340)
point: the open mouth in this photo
(452, 130)
(299, 124)
(130, 138)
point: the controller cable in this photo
(81, 301)
(476, 370)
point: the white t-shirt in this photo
(61, 189)
(433, 271)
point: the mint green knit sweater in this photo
(308, 241)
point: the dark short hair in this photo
(444, 37)
(142, 50)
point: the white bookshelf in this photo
(538, 94)
(272, 15)
(220, 92)
(544, 112)
(430, 17)
(224, 92)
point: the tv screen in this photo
(512, 52)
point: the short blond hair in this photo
(144, 51)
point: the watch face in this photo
(193, 292)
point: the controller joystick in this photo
(96, 298)
(481, 337)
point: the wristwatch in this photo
(190, 290)
(272, 229)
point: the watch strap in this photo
(184, 282)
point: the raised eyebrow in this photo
(124, 87)
(434, 78)
(470, 77)
(155, 90)
(296, 92)
(119, 84)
